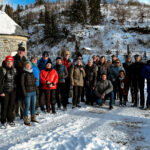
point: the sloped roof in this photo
(9, 27)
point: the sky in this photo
(21, 2)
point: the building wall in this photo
(9, 45)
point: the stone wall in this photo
(9, 45)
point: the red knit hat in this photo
(9, 58)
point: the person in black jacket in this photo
(28, 85)
(61, 95)
(19, 60)
(90, 81)
(138, 80)
(128, 69)
(8, 91)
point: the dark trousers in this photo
(115, 89)
(61, 96)
(123, 99)
(49, 96)
(77, 91)
(89, 95)
(19, 102)
(139, 86)
(37, 98)
(8, 107)
(148, 99)
(67, 82)
(108, 96)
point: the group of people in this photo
(29, 85)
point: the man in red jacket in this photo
(67, 62)
(49, 80)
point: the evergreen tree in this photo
(51, 28)
(95, 13)
(41, 17)
(39, 2)
(9, 10)
(78, 11)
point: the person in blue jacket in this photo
(146, 75)
(42, 62)
(36, 72)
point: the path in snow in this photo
(85, 128)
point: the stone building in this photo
(11, 34)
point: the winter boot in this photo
(33, 119)
(26, 121)
(53, 109)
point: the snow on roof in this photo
(9, 27)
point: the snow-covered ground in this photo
(87, 128)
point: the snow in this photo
(7, 25)
(87, 128)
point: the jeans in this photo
(110, 95)
(30, 99)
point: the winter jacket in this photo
(51, 76)
(28, 82)
(66, 62)
(114, 72)
(19, 64)
(146, 75)
(91, 76)
(137, 68)
(102, 68)
(103, 87)
(123, 85)
(36, 73)
(7, 79)
(128, 69)
(62, 73)
(77, 76)
(42, 63)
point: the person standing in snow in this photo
(8, 91)
(77, 80)
(19, 60)
(90, 81)
(67, 62)
(123, 86)
(102, 67)
(138, 80)
(114, 58)
(36, 73)
(61, 96)
(146, 75)
(43, 61)
(128, 69)
(114, 74)
(49, 80)
(28, 85)
(104, 90)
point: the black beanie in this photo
(58, 58)
(45, 53)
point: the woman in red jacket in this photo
(49, 80)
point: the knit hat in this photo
(21, 47)
(9, 58)
(49, 62)
(113, 56)
(58, 58)
(45, 53)
(27, 62)
(34, 57)
(67, 53)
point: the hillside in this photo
(122, 25)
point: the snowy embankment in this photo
(86, 128)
